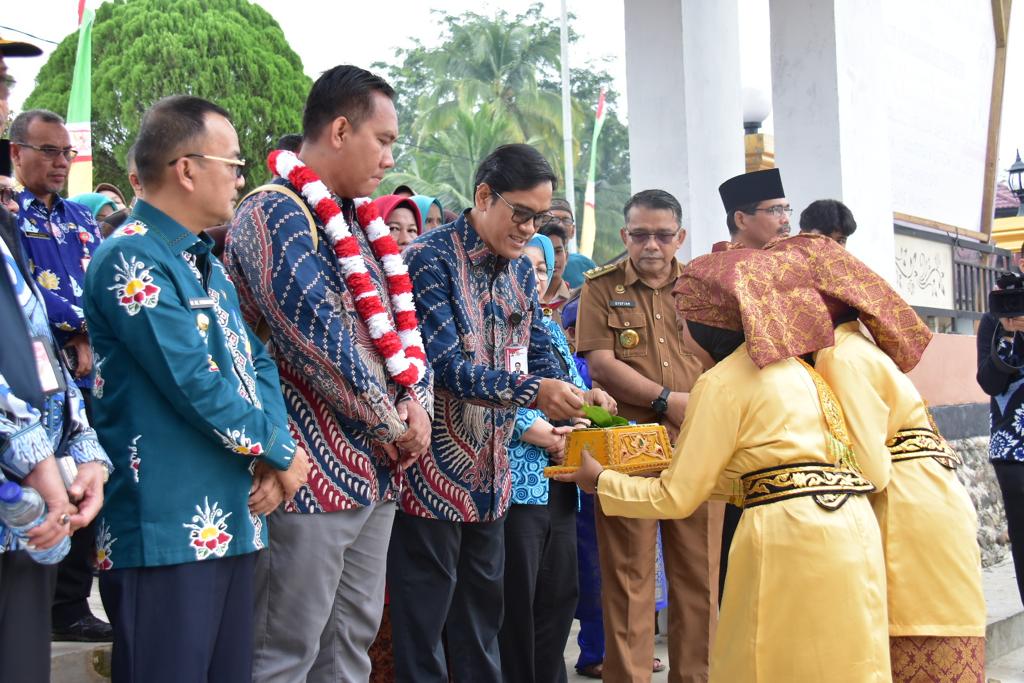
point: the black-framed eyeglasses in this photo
(778, 211)
(239, 164)
(521, 215)
(566, 221)
(641, 237)
(7, 194)
(51, 152)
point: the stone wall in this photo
(980, 479)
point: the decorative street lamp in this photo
(1015, 179)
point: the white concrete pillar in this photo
(830, 105)
(685, 107)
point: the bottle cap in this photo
(10, 492)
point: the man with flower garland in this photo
(477, 297)
(319, 272)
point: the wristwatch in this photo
(660, 404)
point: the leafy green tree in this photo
(231, 52)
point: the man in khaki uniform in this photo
(627, 331)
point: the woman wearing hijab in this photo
(540, 527)
(100, 205)
(402, 216)
(928, 523)
(431, 210)
(805, 592)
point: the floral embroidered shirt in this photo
(59, 243)
(473, 307)
(1000, 378)
(28, 435)
(186, 398)
(342, 405)
(527, 461)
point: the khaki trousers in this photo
(627, 548)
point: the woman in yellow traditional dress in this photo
(805, 592)
(928, 523)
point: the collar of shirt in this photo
(632, 276)
(178, 238)
(476, 249)
(28, 200)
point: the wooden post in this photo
(1001, 23)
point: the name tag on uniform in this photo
(37, 234)
(622, 304)
(515, 359)
(201, 302)
(51, 375)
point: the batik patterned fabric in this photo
(59, 243)
(527, 461)
(937, 660)
(1000, 378)
(473, 306)
(340, 399)
(184, 436)
(27, 435)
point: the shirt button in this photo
(661, 340)
(626, 323)
(665, 363)
(657, 316)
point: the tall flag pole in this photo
(567, 147)
(589, 231)
(79, 120)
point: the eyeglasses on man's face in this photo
(239, 164)
(641, 237)
(521, 215)
(51, 152)
(778, 211)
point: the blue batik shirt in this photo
(27, 435)
(527, 461)
(59, 243)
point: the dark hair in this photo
(654, 199)
(167, 128)
(290, 142)
(554, 229)
(827, 216)
(730, 219)
(514, 167)
(561, 204)
(19, 127)
(129, 159)
(345, 90)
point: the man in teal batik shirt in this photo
(188, 404)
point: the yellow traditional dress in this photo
(928, 523)
(805, 591)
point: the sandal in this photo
(590, 670)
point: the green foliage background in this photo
(229, 51)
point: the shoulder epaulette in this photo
(599, 271)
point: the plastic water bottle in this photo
(22, 509)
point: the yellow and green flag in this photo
(589, 231)
(79, 119)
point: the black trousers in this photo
(542, 582)
(184, 622)
(26, 591)
(1011, 482)
(75, 571)
(446, 578)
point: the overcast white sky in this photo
(311, 27)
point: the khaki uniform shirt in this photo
(619, 312)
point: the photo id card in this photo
(515, 359)
(51, 375)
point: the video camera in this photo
(1008, 300)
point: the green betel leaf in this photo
(599, 417)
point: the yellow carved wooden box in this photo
(631, 449)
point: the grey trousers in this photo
(320, 594)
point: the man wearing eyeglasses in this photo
(626, 329)
(59, 238)
(756, 207)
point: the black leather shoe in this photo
(88, 629)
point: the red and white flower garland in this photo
(402, 349)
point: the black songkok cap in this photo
(751, 188)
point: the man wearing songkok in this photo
(320, 275)
(627, 332)
(928, 523)
(188, 406)
(805, 593)
(477, 298)
(756, 208)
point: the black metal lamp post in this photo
(1015, 179)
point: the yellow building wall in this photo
(1008, 233)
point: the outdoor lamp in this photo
(1015, 179)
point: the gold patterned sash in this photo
(921, 442)
(830, 485)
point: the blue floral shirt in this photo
(27, 435)
(1000, 378)
(59, 243)
(527, 461)
(473, 307)
(186, 399)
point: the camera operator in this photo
(1001, 375)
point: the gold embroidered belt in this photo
(921, 442)
(829, 485)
